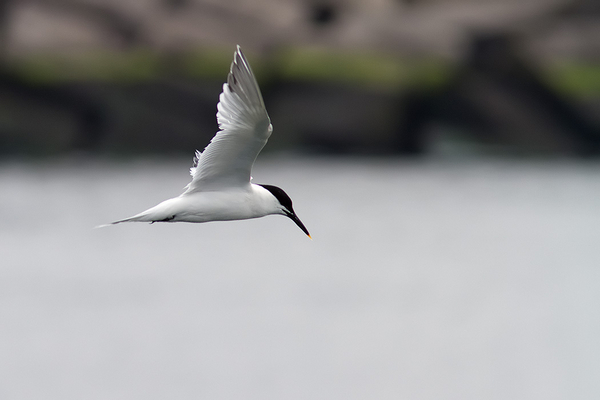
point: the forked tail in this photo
(136, 218)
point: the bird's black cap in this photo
(286, 202)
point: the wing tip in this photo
(237, 55)
(239, 60)
(238, 52)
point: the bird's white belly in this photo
(217, 206)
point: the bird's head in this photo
(285, 206)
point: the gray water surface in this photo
(425, 280)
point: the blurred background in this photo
(443, 154)
(380, 76)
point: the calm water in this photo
(425, 280)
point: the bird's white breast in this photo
(232, 204)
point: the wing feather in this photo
(244, 128)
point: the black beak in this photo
(292, 215)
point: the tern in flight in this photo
(220, 189)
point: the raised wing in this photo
(244, 128)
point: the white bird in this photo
(220, 189)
